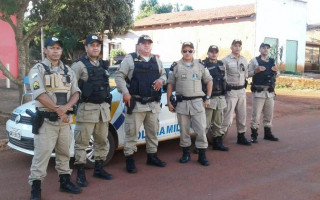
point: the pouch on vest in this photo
(61, 98)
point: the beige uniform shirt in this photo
(51, 84)
(253, 64)
(90, 112)
(188, 82)
(126, 70)
(236, 70)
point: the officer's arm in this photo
(163, 75)
(252, 67)
(209, 88)
(45, 100)
(122, 74)
(246, 68)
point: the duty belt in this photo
(236, 87)
(52, 116)
(217, 93)
(187, 98)
(145, 100)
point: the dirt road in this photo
(288, 169)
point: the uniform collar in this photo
(232, 56)
(184, 63)
(140, 57)
(47, 62)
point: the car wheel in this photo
(111, 146)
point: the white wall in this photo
(285, 20)
(167, 42)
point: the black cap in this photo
(213, 48)
(50, 41)
(185, 44)
(264, 45)
(92, 38)
(144, 38)
(235, 41)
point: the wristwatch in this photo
(207, 98)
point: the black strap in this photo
(190, 98)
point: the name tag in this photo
(183, 75)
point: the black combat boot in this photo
(99, 172)
(81, 176)
(254, 135)
(186, 155)
(202, 158)
(154, 160)
(217, 144)
(36, 190)
(131, 167)
(67, 186)
(243, 140)
(268, 134)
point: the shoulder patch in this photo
(173, 65)
(36, 85)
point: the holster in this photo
(36, 120)
(132, 105)
(173, 100)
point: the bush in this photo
(116, 54)
(297, 83)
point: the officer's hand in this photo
(259, 69)
(170, 107)
(157, 84)
(61, 110)
(126, 99)
(64, 118)
(206, 103)
(274, 68)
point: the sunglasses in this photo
(185, 51)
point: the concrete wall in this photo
(285, 20)
(167, 41)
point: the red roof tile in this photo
(197, 15)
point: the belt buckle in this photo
(144, 100)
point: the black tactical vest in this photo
(96, 89)
(144, 74)
(266, 77)
(219, 83)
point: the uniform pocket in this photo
(198, 105)
(129, 127)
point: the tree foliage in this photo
(74, 18)
(150, 7)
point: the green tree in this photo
(187, 8)
(77, 16)
(150, 7)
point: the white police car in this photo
(18, 127)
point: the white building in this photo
(281, 23)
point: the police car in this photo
(18, 127)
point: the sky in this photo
(313, 9)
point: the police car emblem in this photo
(36, 85)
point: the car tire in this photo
(90, 151)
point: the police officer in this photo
(263, 72)
(236, 74)
(187, 74)
(94, 110)
(144, 74)
(214, 112)
(55, 91)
